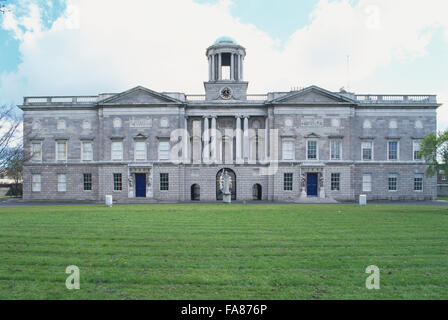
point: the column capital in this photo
(246, 117)
(213, 116)
(238, 116)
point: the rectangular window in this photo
(164, 182)
(288, 150)
(140, 150)
(36, 182)
(418, 182)
(335, 149)
(62, 183)
(37, 151)
(392, 150)
(287, 181)
(117, 150)
(393, 178)
(87, 181)
(416, 150)
(443, 178)
(335, 181)
(87, 151)
(312, 150)
(118, 182)
(367, 182)
(164, 150)
(61, 151)
(367, 150)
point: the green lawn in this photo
(442, 198)
(224, 252)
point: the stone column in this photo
(206, 153)
(212, 67)
(232, 64)
(266, 138)
(219, 67)
(186, 140)
(246, 138)
(213, 133)
(240, 65)
(238, 139)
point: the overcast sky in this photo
(75, 47)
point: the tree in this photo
(9, 135)
(14, 170)
(434, 150)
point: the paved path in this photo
(14, 202)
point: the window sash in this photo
(287, 181)
(61, 151)
(62, 183)
(335, 147)
(164, 182)
(288, 150)
(418, 182)
(37, 151)
(118, 182)
(393, 182)
(36, 183)
(367, 150)
(393, 150)
(87, 181)
(416, 150)
(140, 150)
(312, 150)
(87, 151)
(117, 150)
(164, 150)
(367, 183)
(335, 181)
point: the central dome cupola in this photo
(225, 60)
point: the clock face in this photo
(226, 93)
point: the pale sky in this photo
(86, 47)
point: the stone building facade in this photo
(146, 146)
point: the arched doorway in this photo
(195, 192)
(219, 195)
(257, 192)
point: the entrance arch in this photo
(195, 192)
(231, 173)
(257, 192)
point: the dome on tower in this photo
(225, 39)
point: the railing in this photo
(372, 99)
(195, 97)
(60, 100)
(250, 97)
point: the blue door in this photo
(140, 185)
(311, 188)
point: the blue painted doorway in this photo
(140, 185)
(311, 187)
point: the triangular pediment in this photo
(139, 96)
(312, 95)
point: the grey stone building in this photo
(146, 146)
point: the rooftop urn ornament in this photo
(224, 184)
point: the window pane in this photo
(287, 181)
(393, 182)
(417, 153)
(288, 150)
(335, 150)
(312, 150)
(37, 151)
(366, 150)
(367, 182)
(164, 150)
(117, 150)
(118, 185)
(393, 150)
(164, 181)
(87, 181)
(87, 151)
(61, 151)
(335, 181)
(140, 150)
(36, 183)
(62, 183)
(418, 182)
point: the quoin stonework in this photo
(146, 146)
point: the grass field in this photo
(224, 252)
(442, 198)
